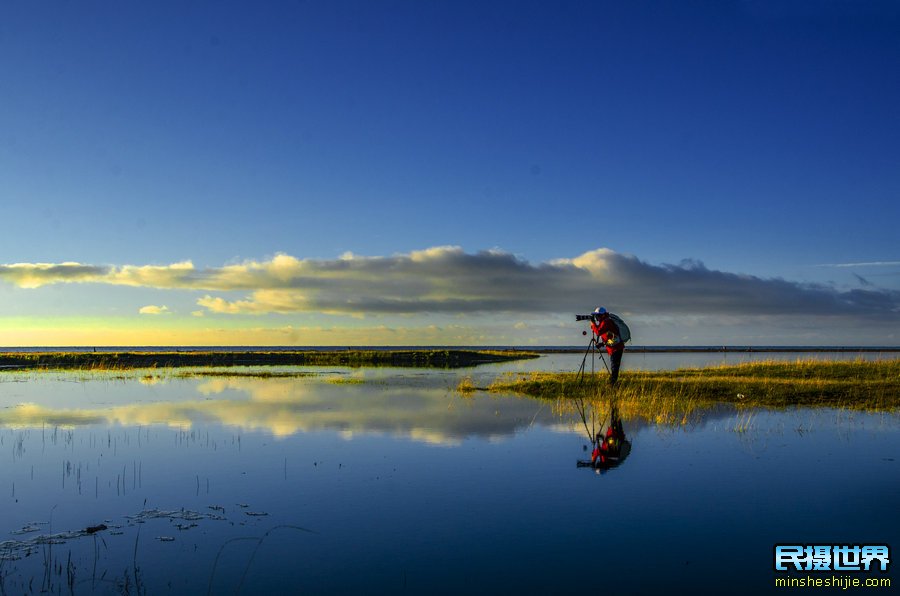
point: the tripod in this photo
(593, 348)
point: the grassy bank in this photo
(356, 358)
(852, 385)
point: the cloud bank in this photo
(449, 280)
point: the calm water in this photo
(387, 480)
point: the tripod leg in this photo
(590, 350)
(604, 363)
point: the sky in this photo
(449, 173)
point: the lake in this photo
(386, 480)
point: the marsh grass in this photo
(466, 387)
(858, 385)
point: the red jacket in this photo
(606, 329)
(611, 445)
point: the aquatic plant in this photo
(466, 386)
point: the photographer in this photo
(607, 333)
(610, 450)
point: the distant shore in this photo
(158, 357)
(101, 360)
(674, 349)
(735, 349)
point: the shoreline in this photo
(733, 349)
(176, 359)
(639, 349)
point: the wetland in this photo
(340, 478)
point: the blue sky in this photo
(757, 140)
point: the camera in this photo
(584, 317)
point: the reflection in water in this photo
(204, 509)
(284, 407)
(610, 448)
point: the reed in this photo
(856, 385)
(466, 387)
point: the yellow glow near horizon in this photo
(204, 331)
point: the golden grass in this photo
(858, 385)
(466, 387)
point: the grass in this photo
(466, 387)
(857, 385)
(355, 358)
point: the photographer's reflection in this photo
(610, 448)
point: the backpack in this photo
(624, 331)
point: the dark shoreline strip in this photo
(356, 358)
(734, 349)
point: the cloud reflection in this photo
(283, 407)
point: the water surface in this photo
(388, 480)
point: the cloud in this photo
(448, 280)
(35, 275)
(868, 264)
(154, 310)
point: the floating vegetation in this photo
(11, 550)
(186, 526)
(345, 381)
(183, 514)
(29, 528)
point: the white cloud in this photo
(154, 310)
(450, 281)
(35, 275)
(869, 264)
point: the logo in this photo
(832, 557)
